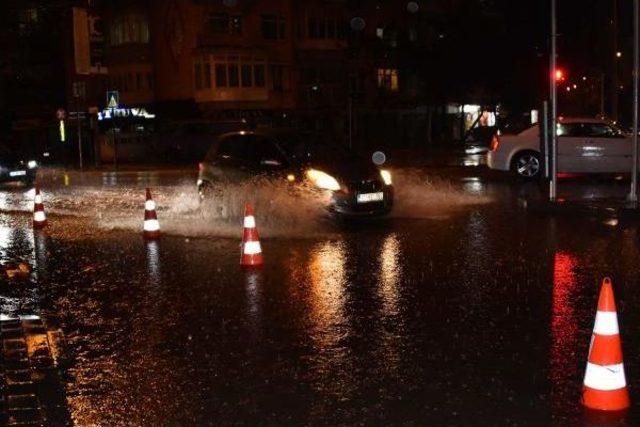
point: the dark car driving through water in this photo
(357, 187)
(16, 168)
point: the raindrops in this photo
(413, 7)
(358, 23)
(230, 3)
(379, 158)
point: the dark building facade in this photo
(380, 71)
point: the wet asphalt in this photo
(461, 308)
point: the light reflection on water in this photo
(564, 330)
(5, 240)
(40, 254)
(253, 288)
(391, 329)
(331, 364)
(153, 262)
(390, 274)
(328, 282)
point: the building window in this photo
(207, 75)
(258, 75)
(236, 71)
(388, 79)
(324, 27)
(277, 78)
(233, 75)
(273, 27)
(27, 19)
(223, 23)
(133, 28)
(246, 75)
(235, 25)
(221, 75)
(198, 76)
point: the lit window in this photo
(28, 19)
(235, 71)
(388, 79)
(129, 29)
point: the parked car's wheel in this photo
(527, 165)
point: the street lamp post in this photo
(554, 106)
(633, 192)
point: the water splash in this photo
(418, 195)
(282, 208)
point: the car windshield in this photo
(304, 147)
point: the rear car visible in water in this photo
(356, 186)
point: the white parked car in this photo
(585, 145)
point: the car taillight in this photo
(495, 142)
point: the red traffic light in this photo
(559, 75)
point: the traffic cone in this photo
(151, 228)
(251, 249)
(39, 217)
(605, 386)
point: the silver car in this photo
(585, 145)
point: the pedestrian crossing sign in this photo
(113, 99)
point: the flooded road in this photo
(459, 309)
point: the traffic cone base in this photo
(616, 400)
(251, 249)
(605, 385)
(151, 227)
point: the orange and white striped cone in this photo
(605, 386)
(251, 250)
(151, 228)
(39, 217)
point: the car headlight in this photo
(323, 180)
(32, 164)
(386, 176)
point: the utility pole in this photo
(79, 124)
(633, 193)
(554, 106)
(79, 93)
(602, 95)
(615, 60)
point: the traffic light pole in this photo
(554, 107)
